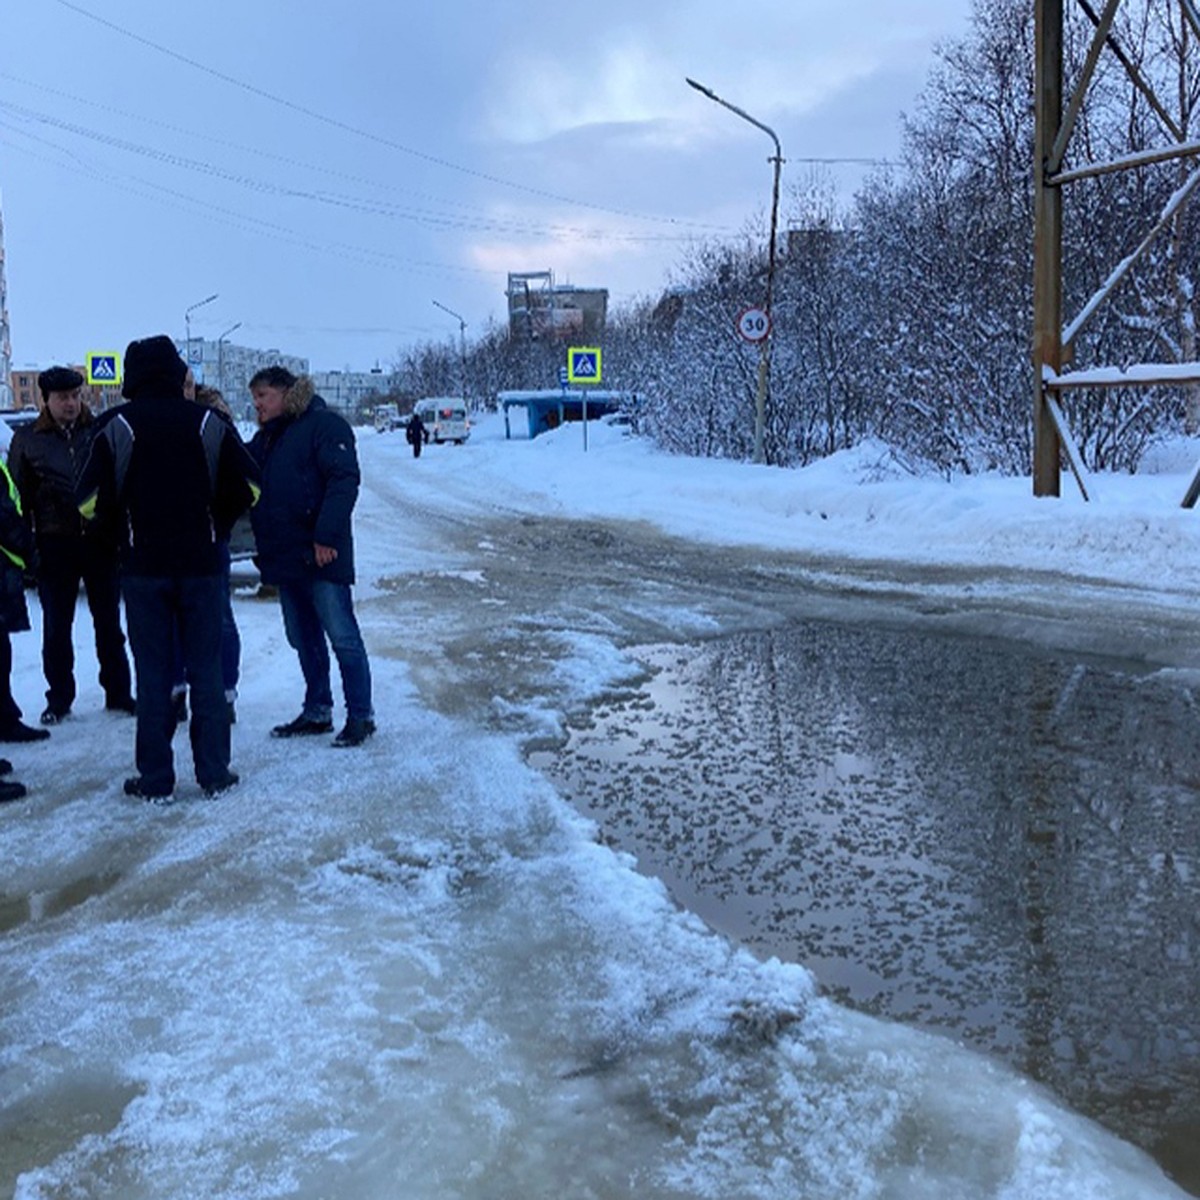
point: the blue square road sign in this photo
(104, 368)
(583, 364)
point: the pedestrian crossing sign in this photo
(104, 368)
(583, 364)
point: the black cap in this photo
(59, 379)
(153, 362)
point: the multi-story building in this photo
(538, 308)
(24, 389)
(26, 395)
(229, 367)
(219, 364)
(351, 392)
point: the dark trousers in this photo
(155, 607)
(10, 711)
(65, 563)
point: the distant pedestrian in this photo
(16, 553)
(415, 433)
(167, 479)
(302, 530)
(44, 460)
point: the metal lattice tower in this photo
(1055, 116)
(6, 392)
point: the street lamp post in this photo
(462, 346)
(764, 353)
(187, 321)
(221, 356)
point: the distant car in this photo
(387, 418)
(13, 419)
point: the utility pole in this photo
(221, 357)
(187, 321)
(462, 347)
(764, 346)
(1047, 241)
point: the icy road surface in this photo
(412, 970)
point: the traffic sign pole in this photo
(583, 366)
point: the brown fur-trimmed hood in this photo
(299, 396)
(45, 423)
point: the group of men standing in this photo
(140, 503)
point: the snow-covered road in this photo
(412, 970)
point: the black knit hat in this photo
(58, 379)
(153, 362)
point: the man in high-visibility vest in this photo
(44, 460)
(16, 548)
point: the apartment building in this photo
(229, 367)
(351, 392)
(26, 395)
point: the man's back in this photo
(168, 475)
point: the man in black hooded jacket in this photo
(165, 480)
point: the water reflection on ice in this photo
(420, 975)
(967, 835)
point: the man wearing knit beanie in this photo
(165, 480)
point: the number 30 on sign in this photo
(753, 324)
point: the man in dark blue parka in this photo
(302, 530)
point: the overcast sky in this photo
(330, 170)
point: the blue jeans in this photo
(155, 608)
(316, 610)
(231, 639)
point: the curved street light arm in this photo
(462, 349)
(764, 347)
(707, 91)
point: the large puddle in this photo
(973, 836)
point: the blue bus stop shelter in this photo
(552, 407)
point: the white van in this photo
(387, 418)
(445, 419)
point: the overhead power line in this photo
(346, 127)
(856, 162)
(364, 255)
(382, 208)
(262, 153)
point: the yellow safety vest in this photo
(15, 497)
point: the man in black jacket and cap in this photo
(44, 460)
(165, 480)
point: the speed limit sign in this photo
(753, 324)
